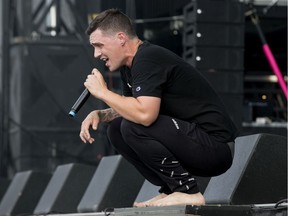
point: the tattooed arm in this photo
(107, 115)
(92, 121)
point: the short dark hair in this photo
(112, 20)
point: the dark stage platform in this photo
(255, 185)
(207, 210)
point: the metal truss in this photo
(34, 18)
(34, 21)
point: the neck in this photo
(132, 50)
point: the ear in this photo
(122, 37)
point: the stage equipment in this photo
(45, 80)
(206, 210)
(115, 183)
(65, 189)
(4, 184)
(267, 51)
(213, 42)
(46, 58)
(24, 193)
(258, 174)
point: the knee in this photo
(130, 131)
(121, 129)
(113, 130)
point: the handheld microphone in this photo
(79, 103)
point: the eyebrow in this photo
(97, 44)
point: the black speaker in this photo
(214, 34)
(213, 42)
(4, 184)
(24, 193)
(226, 11)
(258, 174)
(208, 57)
(115, 183)
(65, 189)
(46, 79)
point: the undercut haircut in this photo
(111, 21)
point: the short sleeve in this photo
(148, 79)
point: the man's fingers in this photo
(91, 140)
(91, 121)
(94, 71)
(85, 136)
(95, 124)
(81, 135)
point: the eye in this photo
(97, 45)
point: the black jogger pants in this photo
(170, 152)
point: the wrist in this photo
(101, 115)
(104, 94)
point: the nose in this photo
(97, 53)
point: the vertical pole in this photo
(5, 85)
(269, 55)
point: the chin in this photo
(111, 69)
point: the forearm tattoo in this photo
(108, 115)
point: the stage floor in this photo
(207, 210)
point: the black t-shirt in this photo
(185, 94)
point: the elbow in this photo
(147, 120)
(147, 124)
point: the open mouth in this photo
(106, 61)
